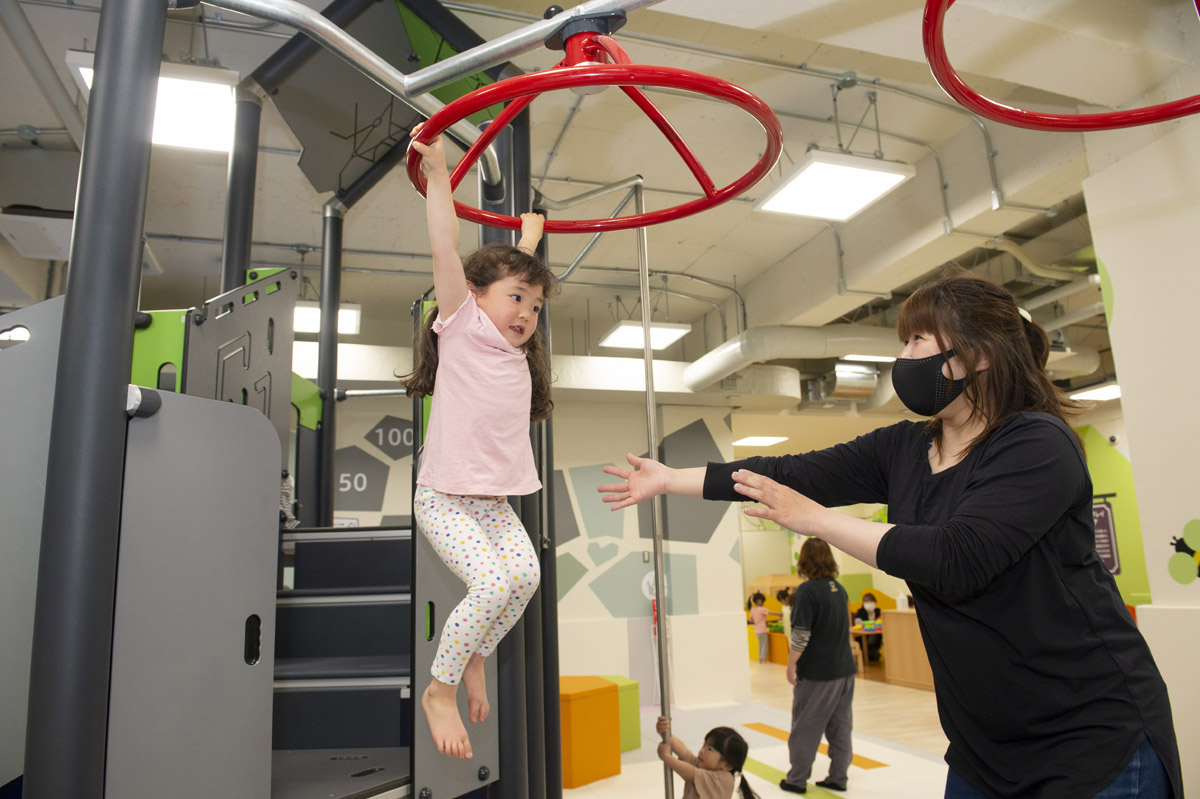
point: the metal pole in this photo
(327, 339)
(551, 727)
(239, 194)
(66, 731)
(655, 503)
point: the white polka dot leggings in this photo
(483, 542)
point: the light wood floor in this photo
(905, 716)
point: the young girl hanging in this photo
(483, 350)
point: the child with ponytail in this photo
(710, 774)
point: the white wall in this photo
(1143, 210)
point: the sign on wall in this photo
(1106, 532)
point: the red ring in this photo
(533, 84)
(935, 52)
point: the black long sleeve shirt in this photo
(1045, 687)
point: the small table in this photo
(861, 636)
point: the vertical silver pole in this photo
(660, 619)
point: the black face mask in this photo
(921, 386)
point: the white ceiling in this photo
(1065, 56)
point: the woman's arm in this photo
(449, 283)
(858, 538)
(649, 478)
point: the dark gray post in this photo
(327, 339)
(239, 198)
(547, 599)
(73, 618)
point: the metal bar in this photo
(239, 195)
(596, 237)
(354, 53)
(34, 56)
(507, 47)
(331, 296)
(67, 724)
(284, 62)
(655, 503)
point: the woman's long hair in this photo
(732, 748)
(816, 560)
(978, 319)
(484, 267)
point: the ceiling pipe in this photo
(1074, 318)
(1029, 262)
(1054, 295)
(35, 58)
(777, 341)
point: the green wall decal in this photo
(626, 586)
(1184, 565)
(570, 572)
(1106, 291)
(602, 553)
(855, 584)
(1112, 478)
(736, 552)
(598, 519)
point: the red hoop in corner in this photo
(525, 88)
(935, 52)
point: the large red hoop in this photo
(525, 88)
(935, 52)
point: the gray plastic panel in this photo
(27, 377)
(333, 773)
(238, 348)
(345, 121)
(446, 776)
(189, 717)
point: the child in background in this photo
(709, 774)
(484, 351)
(758, 617)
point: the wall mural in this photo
(624, 584)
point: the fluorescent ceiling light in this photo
(833, 185)
(1100, 393)
(759, 441)
(308, 318)
(870, 358)
(627, 334)
(194, 108)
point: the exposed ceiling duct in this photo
(778, 342)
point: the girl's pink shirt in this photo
(758, 615)
(478, 437)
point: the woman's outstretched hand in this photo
(784, 506)
(647, 478)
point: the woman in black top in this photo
(1045, 687)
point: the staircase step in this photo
(341, 714)
(350, 562)
(343, 626)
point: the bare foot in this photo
(441, 711)
(477, 701)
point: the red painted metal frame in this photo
(935, 52)
(585, 50)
